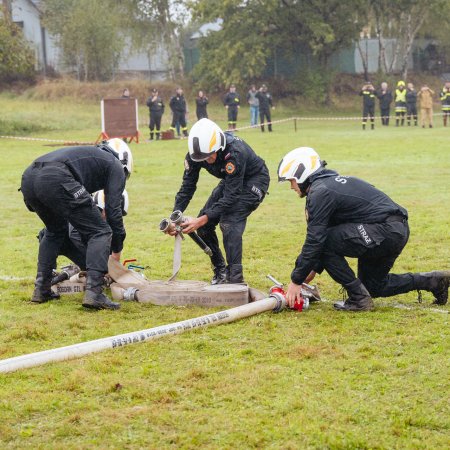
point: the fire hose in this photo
(275, 302)
(173, 224)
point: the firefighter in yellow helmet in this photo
(400, 103)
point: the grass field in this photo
(317, 379)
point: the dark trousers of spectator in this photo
(179, 117)
(411, 111)
(232, 117)
(155, 122)
(368, 111)
(265, 113)
(385, 112)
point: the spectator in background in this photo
(411, 104)
(253, 101)
(385, 99)
(126, 93)
(265, 104)
(179, 110)
(201, 101)
(231, 102)
(425, 96)
(445, 101)
(156, 108)
(368, 94)
(400, 103)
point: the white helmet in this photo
(125, 156)
(299, 164)
(205, 138)
(99, 200)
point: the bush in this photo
(16, 58)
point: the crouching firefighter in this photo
(348, 217)
(73, 247)
(57, 186)
(243, 186)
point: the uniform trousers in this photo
(376, 246)
(232, 223)
(50, 190)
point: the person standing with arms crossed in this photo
(156, 108)
(385, 99)
(201, 102)
(265, 104)
(253, 101)
(232, 105)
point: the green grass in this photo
(317, 379)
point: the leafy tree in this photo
(402, 20)
(16, 58)
(157, 25)
(89, 35)
(252, 30)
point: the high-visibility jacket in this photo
(445, 99)
(400, 100)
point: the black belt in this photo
(396, 218)
(39, 164)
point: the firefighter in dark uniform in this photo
(156, 108)
(57, 186)
(400, 103)
(348, 217)
(232, 102)
(201, 103)
(73, 246)
(178, 106)
(368, 94)
(385, 99)
(411, 104)
(445, 102)
(243, 186)
(265, 104)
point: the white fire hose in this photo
(275, 302)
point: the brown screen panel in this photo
(119, 117)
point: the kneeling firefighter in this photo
(57, 186)
(348, 217)
(243, 186)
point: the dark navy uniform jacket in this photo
(265, 100)
(237, 165)
(96, 168)
(232, 100)
(333, 200)
(411, 97)
(156, 106)
(385, 99)
(178, 103)
(368, 97)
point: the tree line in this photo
(92, 33)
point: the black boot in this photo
(235, 274)
(220, 274)
(436, 282)
(43, 288)
(94, 297)
(359, 298)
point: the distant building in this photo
(27, 15)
